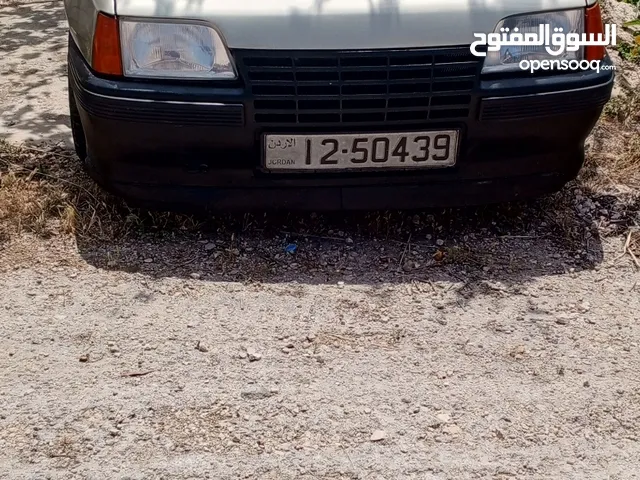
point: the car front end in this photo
(326, 105)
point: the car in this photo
(332, 104)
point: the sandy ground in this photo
(360, 356)
(33, 72)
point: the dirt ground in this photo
(497, 342)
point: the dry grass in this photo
(614, 157)
(44, 192)
(632, 246)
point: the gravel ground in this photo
(107, 373)
(480, 343)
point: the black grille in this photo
(542, 105)
(359, 87)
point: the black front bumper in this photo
(182, 145)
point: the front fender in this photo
(81, 15)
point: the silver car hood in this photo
(343, 24)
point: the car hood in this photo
(343, 24)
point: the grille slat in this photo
(359, 87)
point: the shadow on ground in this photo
(505, 246)
(33, 76)
(510, 244)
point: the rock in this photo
(443, 417)
(253, 355)
(452, 430)
(84, 358)
(378, 435)
(439, 242)
(209, 246)
(200, 347)
(114, 349)
(148, 260)
(195, 276)
(311, 337)
(257, 393)
(349, 241)
(114, 432)
(586, 384)
(340, 284)
(563, 318)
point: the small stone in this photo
(443, 417)
(209, 246)
(195, 276)
(311, 337)
(586, 384)
(452, 430)
(114, 432)
(114, 349)
(253, 355)
(620, 391)
(562, 319)
(242, 355)
(378, 435)
(367, 411)
(439, 242)
(257, 393)
(340, 284)
(349, 240)
(416, 409)
(200, 347)
(148, 260)
(84, 358)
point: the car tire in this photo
(77, 132)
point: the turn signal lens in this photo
(106, 57)
(594, 25)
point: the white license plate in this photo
(434, 149)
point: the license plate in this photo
(434, 149)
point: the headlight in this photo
(173, 50)
(509, 56)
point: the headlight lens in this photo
(173, 50)
(508, 57)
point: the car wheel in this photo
(79, 141)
